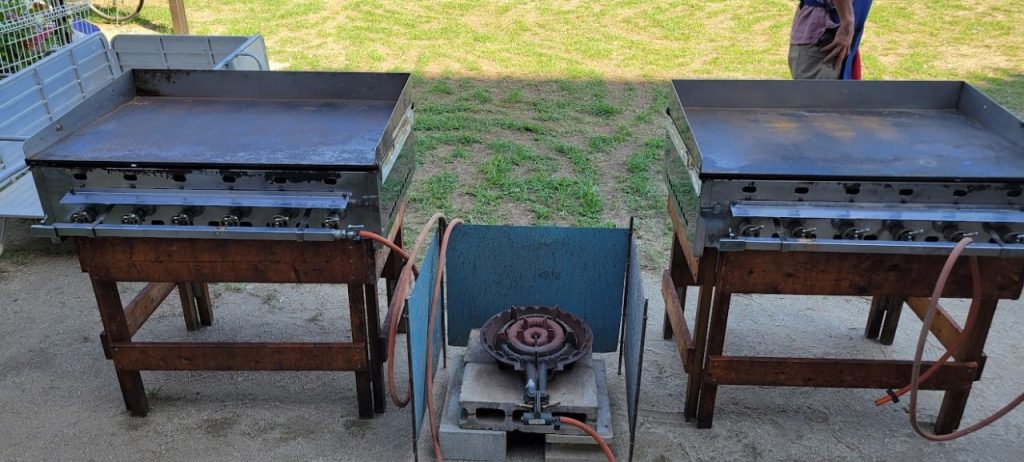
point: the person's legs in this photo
(808, 62)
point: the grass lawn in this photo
(547, 112)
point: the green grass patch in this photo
(435, 193)
(642, 197)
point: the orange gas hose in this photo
(916, 377)
(384, 241)
(397, 307)
(593, 434)
(431, 320)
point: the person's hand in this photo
(840, 46)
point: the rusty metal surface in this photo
(229, 132)
(188, 119)
(850, 130)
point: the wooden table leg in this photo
(188, 305)
(875, 317)
(954, 402)
(204, 304)
(716, 344)
(115, 326)
(357, 315)
(883, 318)
(700, 338)
(893, 310)
(376, 354)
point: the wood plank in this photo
(820, 273)
(210, 260)
(108, 300)
(188, 306)
(222, 356)
(145, 303)
(204, 304)
(179, 22)
(893, 310)
(700, 332)
(943, 326)
(832, 373)
(875, 316)
(716, 343)
(954, 402)
(674, 311)
(357, 317)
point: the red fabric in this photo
(855, 72)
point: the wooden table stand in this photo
(189, 264)
(892, 281)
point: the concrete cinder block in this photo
(491, 396)
(459, 443)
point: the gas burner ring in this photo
(540, 335)
(536, 334)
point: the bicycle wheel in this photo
(116, 10)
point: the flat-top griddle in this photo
(838, 166)
(228, 155)
(229, 133)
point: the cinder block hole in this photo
(960, 192)
(801, 190)
(130, 177)
(1014, 193)
(750, 189)
(486, 414)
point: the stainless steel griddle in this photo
(885, 167)
(239, 155)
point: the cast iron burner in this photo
(537, 340)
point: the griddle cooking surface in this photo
(213, 132)
(869, 144)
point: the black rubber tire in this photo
(118, 18)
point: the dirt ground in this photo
(59, 398)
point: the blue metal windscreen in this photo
(633, 340)
(418, 311)
(492, 268)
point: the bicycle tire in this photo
(115, 17)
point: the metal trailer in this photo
(50, 88)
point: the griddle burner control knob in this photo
(953, 234)
(136, 217)
(750, 230)
(185, 217)
(800, 231)
(229, 220)
(855, 233)
(278, 221)
(908, 235)
(83, 216)
(1014, 238)
(331, 222)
